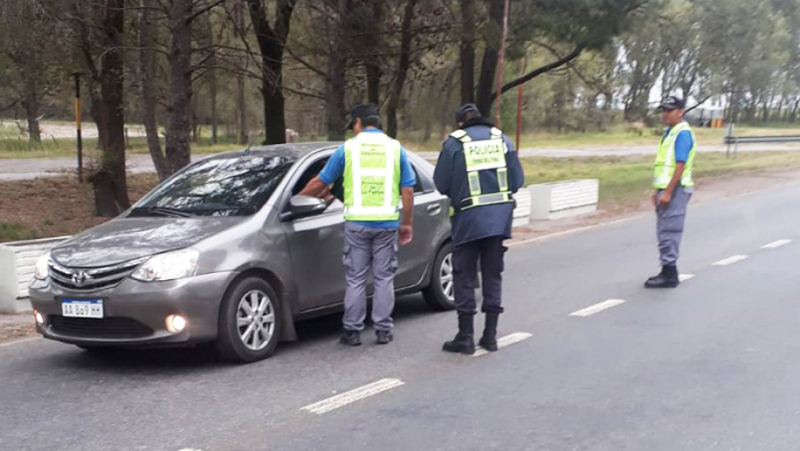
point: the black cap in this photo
(363, 111)
(672, 103)
(463, 110)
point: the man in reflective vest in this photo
(478, 170)
(376, 174)
(672, 180)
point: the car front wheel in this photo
(249, 322)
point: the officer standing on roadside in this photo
(478, 170)
(377, 174)
(673, 183)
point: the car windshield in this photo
(217, 187)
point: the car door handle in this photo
(434, 209)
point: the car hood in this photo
(125, 239)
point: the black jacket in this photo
(450, 178)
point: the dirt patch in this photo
(55, 206)
(16, 327)
(707, 190)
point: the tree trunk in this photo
(445, 113)
(212, 87)
(467, 51)
(31, 105)
(241, 108)
(147, 94)
(110, 181)
(490, 57)
(179, 85)
(335, 89)
(241, 104)
(402, 68)
(335, 96)
(271, 44)
(372, 64)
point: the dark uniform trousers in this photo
(489, 251)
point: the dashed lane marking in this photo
(730, 260)
(591, 310)
(508, 340)
(341, 400)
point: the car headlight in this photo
(168, 266)
(42, 267)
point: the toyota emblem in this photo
(79, 278)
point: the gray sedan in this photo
(226, 251)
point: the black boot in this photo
(661, 274)
(463, 343)
(489, 339)
(667, 279)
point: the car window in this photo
(312, 171)
(218, 187)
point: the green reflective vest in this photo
(484, 155)
(371, 178)
(665, 159)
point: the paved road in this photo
(711, 365)
(21, 169)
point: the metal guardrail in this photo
(734, 141)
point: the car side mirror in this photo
(303, 206)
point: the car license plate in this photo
(82, 308)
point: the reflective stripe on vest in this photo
(665, 159)
(483, 155)
(372, 178)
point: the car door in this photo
(315, 244)
(430, 225)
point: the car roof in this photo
(292, 151)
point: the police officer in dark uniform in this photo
(478, 170)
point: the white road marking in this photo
(685, 277)
(597, 308)
(776, 244)
(352, 396)
(730, 260)
(502, 342)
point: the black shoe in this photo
(384, 337)
(667, 279)
(463, 343)
(350, 338)
(657, 275)
(489, 339)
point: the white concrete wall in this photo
(564, 199)
(17, 264)
(522, 212)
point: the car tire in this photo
(245, 333)
(439, 293)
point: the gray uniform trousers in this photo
(669, 228)
(368, 248)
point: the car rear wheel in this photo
(250, 321)
(440, 293)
